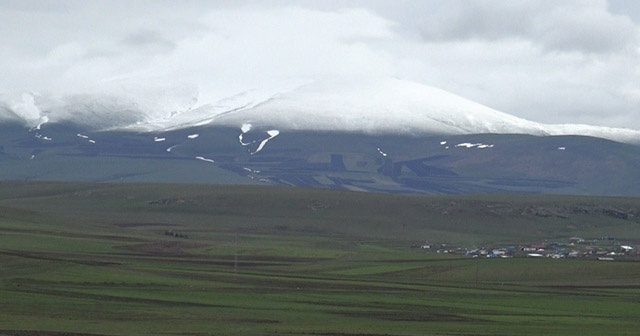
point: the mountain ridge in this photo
(390, 163)
(362, 105)
(389, 136)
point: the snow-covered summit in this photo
(364, 104)
(389, 105)
(378, 105)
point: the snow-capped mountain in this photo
(378, 106)
(361, 105)
(389, 105)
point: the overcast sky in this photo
(547, 61)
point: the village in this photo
(604, 249)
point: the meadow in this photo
(162, 259)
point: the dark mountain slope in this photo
(486, 163)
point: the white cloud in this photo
(548, 61)
(246, 45)
(586, 26)
(566, 62)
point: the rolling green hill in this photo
(149, 259)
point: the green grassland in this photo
(151, 259)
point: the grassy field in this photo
(126, 259)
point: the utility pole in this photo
(477, 266)
(235, 255)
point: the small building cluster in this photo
(605, 248)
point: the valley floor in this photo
(86, 259)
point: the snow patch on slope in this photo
(616, 134)
(272, 134)
(246, 128)
(202, 158)
(42, 137)
(474, 145)
(381, 152)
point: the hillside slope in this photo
(444, 164)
